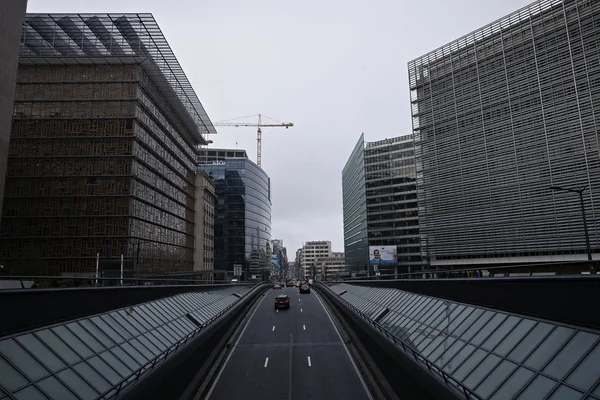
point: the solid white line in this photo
(300, 310)
(266, 362)
(347, 351)
(309, 364)
(277, 310)
(304, 327)
(273, 330)
(234, 347)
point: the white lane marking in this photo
(347, 351)
(266, 362)
(277, 310)
(236, 344)
(300, 310)
(304, 327)
(273, 330)
(309, 363)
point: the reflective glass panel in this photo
(55, 389)
(76, 384)
(469, 364)
(588, 372)
(43, 353)
(117, 365)
(98, 382)
(482, 370)
(565, 393)
(133, 353)
(29, 393)
(514, 337)
(488, 329)
(476, 326)
(468, 321)
(127, 359)
(537, 389)
(10, 378)
(68, 337)
(127, 325)
(21, 359)
(105, 370)
(495, 378)
(64, 351)
(515, 383)
(548, 347)
(124, 333)
(85, 337)
(507, 325)
(530, 341)
(98, 333)
(571, 354)
(460, 356)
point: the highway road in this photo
(287, 354)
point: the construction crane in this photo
(258, 132)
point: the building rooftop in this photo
(89, 39)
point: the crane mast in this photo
(259, 126)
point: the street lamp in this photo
(585, 227)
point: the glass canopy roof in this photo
(90, 357)
(496, 354)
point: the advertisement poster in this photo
(275, 264)
(383, 255)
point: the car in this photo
(304, 288)
(282, 301)
(277, 286)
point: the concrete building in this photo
(12, 14)
(500, 116)
(204, 223)
(333, 267)
(380, 206)
(103, 148)
(311, 256)
(242, 215)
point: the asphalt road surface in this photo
(293, 353)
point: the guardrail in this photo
(36, 282)
(495, 271)
(150, 365)
(447, 378)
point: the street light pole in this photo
(585, 227)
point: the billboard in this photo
(383, 255)
(275, 264)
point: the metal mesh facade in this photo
(499, 116)
(391, 192)
(103, 151)
(356, 244)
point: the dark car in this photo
(282, 301)
(304, 288)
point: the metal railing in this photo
(150, 365)
(492, 271)
(33, 282)
(448, 379)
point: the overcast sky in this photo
(335, 68)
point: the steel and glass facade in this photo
(391, 194)
(103, 149)
(356, 245)
(242, 231)
(491, 354)
(499, 116)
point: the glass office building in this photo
(356, 244)
(500, 116)
(391, 193)
(103, 149)
(242, 230)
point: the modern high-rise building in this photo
(242, 214)
(500, 116)
(12, 14)
(103, 148)
(204, 226)
(354, 202)
(380, 206)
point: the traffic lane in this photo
(313, 324)
(268, 325)
(249, 375)
(330, 374)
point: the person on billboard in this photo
(376, 256)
